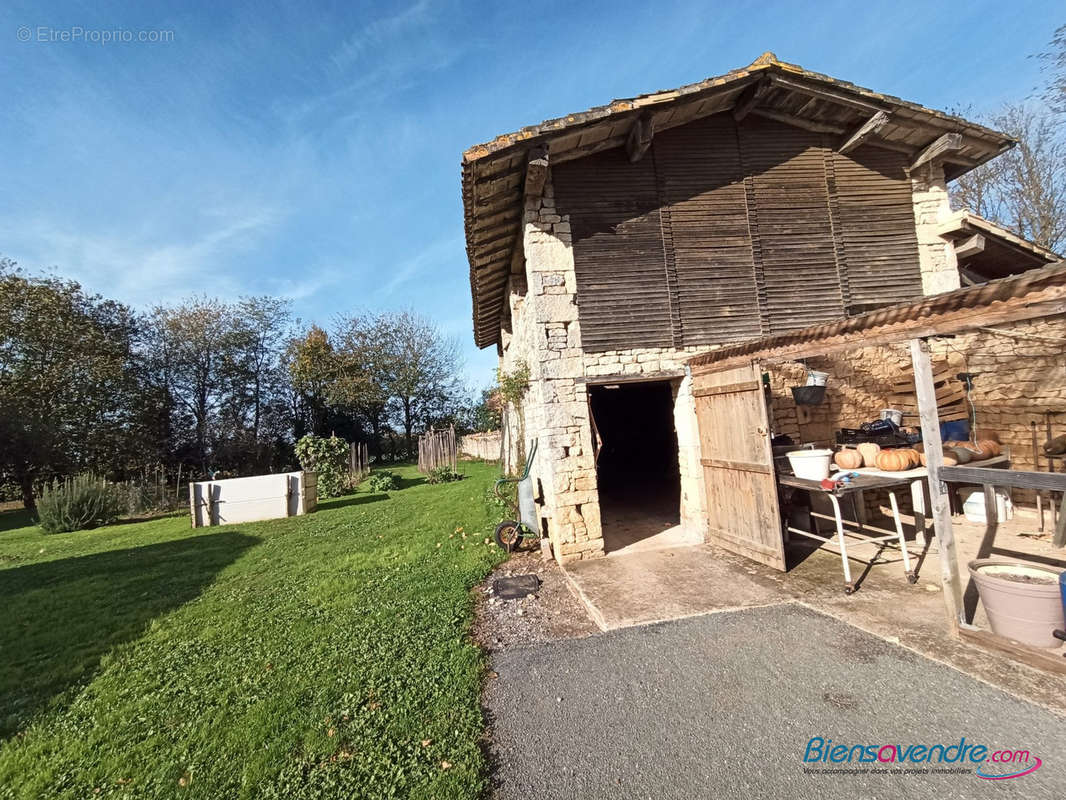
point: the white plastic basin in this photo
(810, 464)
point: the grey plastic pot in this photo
(1024, 611)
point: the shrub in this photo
(383, 481)
(443, 475)
(327, 458)
(77, 504)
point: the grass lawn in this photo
(318, 656)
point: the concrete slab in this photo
(648, 587)
(724, 706)
(655, 585)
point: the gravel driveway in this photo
(724, 706)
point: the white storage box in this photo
(974, 506)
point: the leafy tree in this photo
(312, 366)
(67, 386)
(365, 368)
(197, 343)
(487, 413)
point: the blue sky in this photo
(313, 151)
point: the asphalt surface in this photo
(724, 706)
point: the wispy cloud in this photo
(440, 254)
(142, 270)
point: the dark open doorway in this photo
(637, 465)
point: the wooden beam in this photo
(1014, 478)
(749, 98)
(1033, 656)
(938, 490)
(639, 139)
(798, 122)
(864, 132)
(824, 94)
(536, 172)
(948, 143)
(970, 247)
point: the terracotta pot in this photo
(1023, 601)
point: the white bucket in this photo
(975, 510)
(893, 414)
(810, 464)
(816, 378)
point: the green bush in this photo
(443, 475)
(383, 481)
(77, 504)
(327, 458)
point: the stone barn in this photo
(609, 246)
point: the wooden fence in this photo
(358, 461)
(437, 449)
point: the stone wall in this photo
(1021, 373)
(936, 255)
(484, 445)
(545, 333)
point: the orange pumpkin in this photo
(949, 460)
(869, 452)
(989, 448)
(848, 459)
(914, 456)
(893, 460)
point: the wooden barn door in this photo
(738, 467)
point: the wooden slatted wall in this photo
(722, 234)
(702, 185)
(876, 222)
(795, 231)
(622, 293)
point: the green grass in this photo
(318, 656)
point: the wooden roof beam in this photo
(799, 122)
(824, 94)
(639, 138)
(536, 172)
(864, 132)
(970, 247)
(749, 98)
(948, 143)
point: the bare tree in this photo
(1054, 59)
(1025, 188)
(424, 372)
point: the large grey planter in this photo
(1022, 601)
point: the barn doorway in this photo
(637, 464)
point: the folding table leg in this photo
(918, 504)
(911, 577)
(849, 587)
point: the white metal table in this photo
(884, 480)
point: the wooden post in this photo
(938, 495)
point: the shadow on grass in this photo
(352, 500)
(12, 520)
(407, 483)
(62, 616)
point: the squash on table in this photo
(848, 458)
(869, 452)
(893, 460)
(949, 460)
(961, 454)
